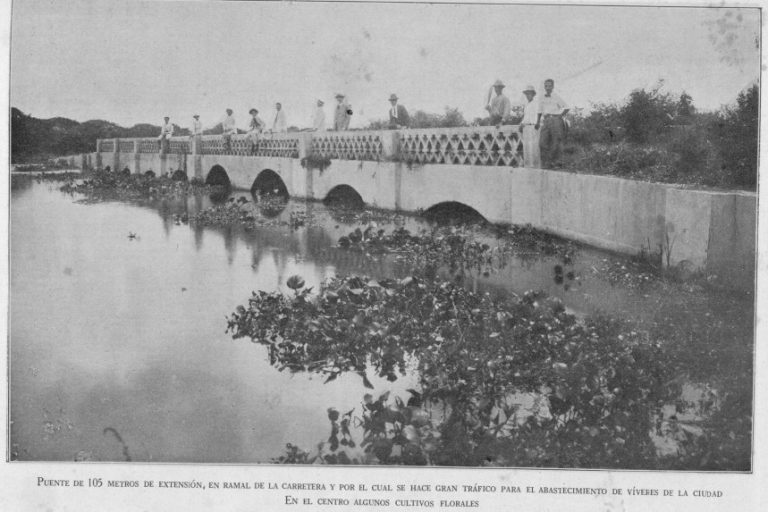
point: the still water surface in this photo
(118, 345)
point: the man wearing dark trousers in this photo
(551, 119)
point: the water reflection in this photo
(112, 333)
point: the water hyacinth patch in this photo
(600, 384)
(458, 250)
(103, 184)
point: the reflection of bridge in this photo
(479, 167)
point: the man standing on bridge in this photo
(398, 115)
(197, 131)
(318, 119)
(255, 128)
(342, 115)
(499, 107)
(229, 128)
(552, 109)
(166, 132)
(528, 131)
(279, 125)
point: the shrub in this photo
(647, 114)
(625, 159)
(737, 138)
(693, 154)
(602, 124)
(420, 119)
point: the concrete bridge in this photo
(411, 170)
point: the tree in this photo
(738, 130)
(685, 108)
(647, 114)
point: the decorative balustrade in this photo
(286, 147)
(362, 145)
(269, 145)
(484, 145)
(149, 145)
(178, 145)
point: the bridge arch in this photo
(453, 212)
(268, 182)
(218, 176)
(344, 195)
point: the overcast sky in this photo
(132, 62)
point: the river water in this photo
(118, 346)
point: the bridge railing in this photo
(284, 145)
(352, 145)
(481, 145)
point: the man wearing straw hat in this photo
(197, 126)
(529, 131)
(499, 106)
(343, 113)
(398, 115)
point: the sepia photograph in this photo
(470, 236)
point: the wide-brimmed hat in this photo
(340, 95)
(196, 116)
(252, 111)
(529, 88)
(498, 83)
(229, 110)
(393, 97)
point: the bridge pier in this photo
(116, 155)
(136, 157)
(197, 165)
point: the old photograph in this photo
(367, 233)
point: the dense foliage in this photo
(657, 137)
(33, 138)
(598, 384)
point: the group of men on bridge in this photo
(542, 129)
